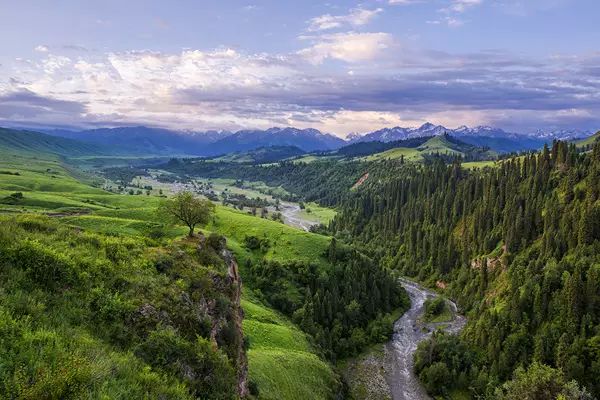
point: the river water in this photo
(409, 331)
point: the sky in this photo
(340, 66)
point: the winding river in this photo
(409, 331)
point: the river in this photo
(409, 331)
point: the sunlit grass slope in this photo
(281, 360)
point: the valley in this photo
(409, 331)
(309, 200)
(320, 252)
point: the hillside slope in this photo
(18, 141)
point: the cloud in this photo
(404, 2)
(460, 6)
(349, 47)
(26, 106)
(452, 22)
(41, 49)
(229, 89)
(356, 17)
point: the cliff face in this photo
(238, 316)
(226, 327)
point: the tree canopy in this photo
(186, 209)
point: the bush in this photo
(434, 307)
(436, 378)
(253, 388)
(14, 198)
(205, 370)
(217, 242)
(44, 266)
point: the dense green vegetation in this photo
(326, 182)
(50, 187)
(42, 184)
(115, 304)
(344, 308)
(518, 245)
(437, 310)
(85, 315)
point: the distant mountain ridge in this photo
(481, 136)
(262, 155)
(145, 141)
(305, 139)
(429, 129)
(142, 140)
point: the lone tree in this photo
(186, 209)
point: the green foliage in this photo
(518, 245)
(91, 316)
(344, 308)
(323, 181)
(189, 210)
(540, 382)
(206, 372)
(436, 309)
(444, 362)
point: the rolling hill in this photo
(18, 141)
(588, 142)
(262, 155)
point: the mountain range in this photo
(481, 136)
(141, 140)
(144, 141)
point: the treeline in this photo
(519, 245)
(344, 308)
(326, 182)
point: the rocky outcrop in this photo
(236, 281)
(361, 181)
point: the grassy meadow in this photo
(281, 360)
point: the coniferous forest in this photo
(517, 245)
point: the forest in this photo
(518, 246)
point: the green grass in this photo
(317, 213)
(409, 154)
(312, 158)
(287, 243)
(281, 360)
(435, 145)
(588, 141)
(479, 164)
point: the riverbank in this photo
(386, 371)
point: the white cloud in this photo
(229, 89)
(452, 22)
(41, 48)
(460, 6)
(349, 46)
(404, 2)
(356, 17)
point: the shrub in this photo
(205, 370)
